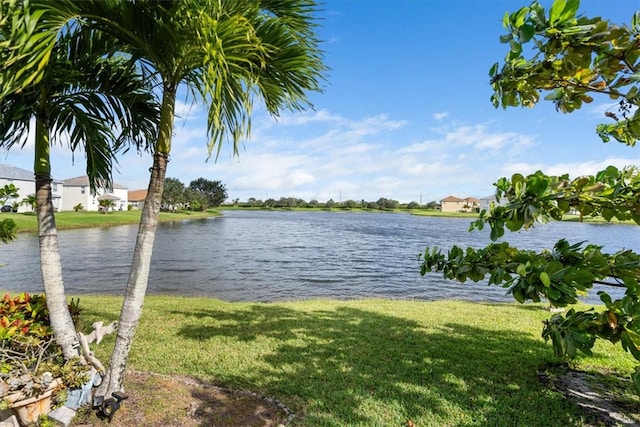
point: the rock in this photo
(8, 419)
(62, 415)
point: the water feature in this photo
(286, 255)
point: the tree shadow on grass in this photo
(350, 366)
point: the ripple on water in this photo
(275, 255)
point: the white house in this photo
(485, 202)
(25, 182)
(77, 191)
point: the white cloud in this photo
(321, 155)
(186, 111)
(573, 169)
(440, 116)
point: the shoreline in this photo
(27, 222)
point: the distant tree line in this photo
(201, 194)
(292, 202)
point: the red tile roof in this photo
(137, 195)
(451, 199)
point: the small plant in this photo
(7, 231)
(78, 207)
(106, 205)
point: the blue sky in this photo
(405, 114)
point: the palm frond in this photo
(92, 96)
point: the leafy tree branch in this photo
(571, 58)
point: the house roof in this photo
(83, 181)
(12, 172)
(472, 200)
(137, 195)
(451, 199)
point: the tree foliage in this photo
(208, 193)
(63, 81)
(572, 58)
(227, 54)
(8, 192)
(173, 192)
(7, 226)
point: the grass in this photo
(363, 362)
(27, 222)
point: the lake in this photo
(287, 255)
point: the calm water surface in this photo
(271, 256)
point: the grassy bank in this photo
(364, 362)
(83, 219)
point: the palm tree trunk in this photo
(139, 273)
(50, 266)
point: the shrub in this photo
(29, 357)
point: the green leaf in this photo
(520, 17)
(605, 298)
(634, 337)
(506, 38)
(497, 231)
(538, 185)
(494, 70)
(629, 344)
(518, 295)
(569, 11)
(557, 8)
(553, 294)
(505, 20)
(635, 22)
(608, 214)
(544, 278)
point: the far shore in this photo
(27, 222)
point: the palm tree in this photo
(84, 95)
(30, 201)
(228, 54)
(107, 204)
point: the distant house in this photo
(455, 204)
(25, 182)
(451, 204)
(77, 191)
(471, 204)
(137, 198)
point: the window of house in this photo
(81, 190)
(54, 187)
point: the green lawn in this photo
(82, 219)
(363, 362)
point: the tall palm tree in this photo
(228, 54)
(93, 101)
